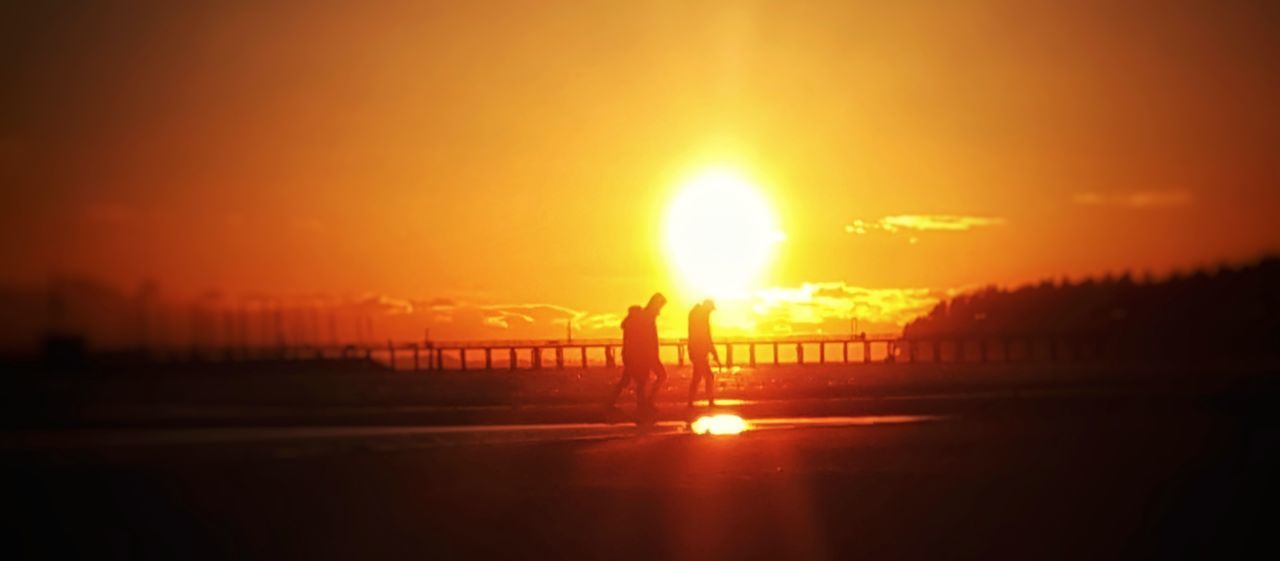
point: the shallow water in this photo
(457, 434)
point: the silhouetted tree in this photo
(1227, 312)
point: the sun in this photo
(720, 233)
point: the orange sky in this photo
(524, 153)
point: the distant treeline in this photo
(1228, 311)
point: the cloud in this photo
(1136, 199)
(812, 305)
(944, 222)
(536, 312)
(506, 320)
(913, 224)
(383, 304)
(822, 307)
(815, 307)
(262, 319)
(599, 323)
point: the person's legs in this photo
(660, 378)
(693, 384)
(619, 386)
(711, 386)
(641, 379)
(700, 369)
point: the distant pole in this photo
(426, 344)
(278, 320)
(313, 317)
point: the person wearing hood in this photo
(701, 348)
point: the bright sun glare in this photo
(719, 425)
(720, 233)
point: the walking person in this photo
(649, 347)
(635, 368)
(700, 347)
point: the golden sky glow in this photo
(507, 168)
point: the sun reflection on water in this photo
(716, 425)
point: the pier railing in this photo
(534, 355)
(734, 352)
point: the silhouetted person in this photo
(634, 366)
(649, 345)
(700, 347)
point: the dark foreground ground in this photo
(1047, 476)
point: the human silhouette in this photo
(700, 347)
(649, 346)
(634, 366)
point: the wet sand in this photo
(1068, 478)
(292, 395)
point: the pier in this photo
(807, 350)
